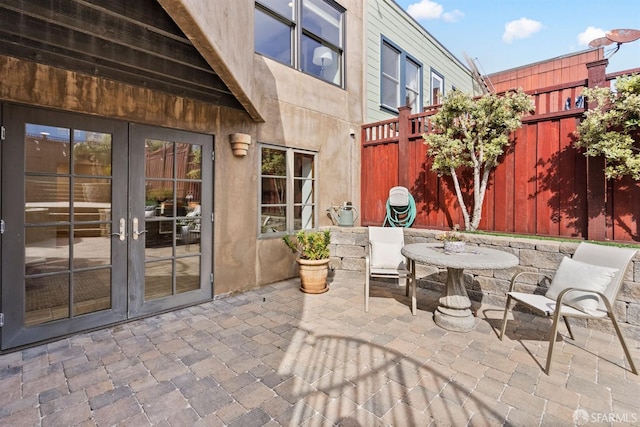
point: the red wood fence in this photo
(543, 186)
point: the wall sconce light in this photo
(240, 143)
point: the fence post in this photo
(403, 146)
(596, 181)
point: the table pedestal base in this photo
(454, 312)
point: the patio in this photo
(276, 356)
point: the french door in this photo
(104, 221)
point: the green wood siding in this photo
(384, 18)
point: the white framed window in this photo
(287, 190)
(305, 34)
(437, 88)
(400, 79)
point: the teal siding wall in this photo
(384, 18)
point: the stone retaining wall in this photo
(489, 287)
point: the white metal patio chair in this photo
(585, 286)
(384, 259)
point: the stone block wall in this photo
(349, 245)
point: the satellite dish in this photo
(482, 81)
(600, 41)
(623, 35)
(619, 36)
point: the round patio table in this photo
(454, 309)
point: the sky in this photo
(503, 34)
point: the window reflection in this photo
(67, 208)
(173, 191)
(311, 41)
(282, 211)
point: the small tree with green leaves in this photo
(472, 133)
(611, 127)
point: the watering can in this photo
(344, 214)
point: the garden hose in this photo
(401, 216)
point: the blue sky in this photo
(504, 34)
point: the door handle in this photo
(121, 233)
(136, 233)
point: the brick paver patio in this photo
(275, 356)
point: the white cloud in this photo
(591, 33)
(520, 29)
(454, 16)
(425, 9)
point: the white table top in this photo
(475, 257)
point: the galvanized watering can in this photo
(344, 215)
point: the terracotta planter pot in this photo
(313, 275)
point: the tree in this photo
(611, 127)
(473, 133)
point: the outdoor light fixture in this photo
(322, 56)
(240, 143)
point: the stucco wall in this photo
(285, 107)
(304, 112)
(221, 31)
(490, 286)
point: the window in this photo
(437, 88)
(401, 79)
(305, 34)
(287, 190)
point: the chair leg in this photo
(411, 281)
(552, 340)
(504, 319)
(566, 322)
(366, 293)
(622, 341)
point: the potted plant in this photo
(312, 248)
(452, 240)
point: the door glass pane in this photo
(92, 153)
(46, 299)
(91, 291)
(158, 279)
(188, 161)
(47, 198)
(67, 222)
(46, 249)
(188, 273)
(173, 191)
(47, 149)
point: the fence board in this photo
(540, 187)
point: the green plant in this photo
(451, 235)
(160, 194)
(311, 245)
(472, 133)
(611, 127)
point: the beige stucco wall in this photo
(302, 111)
(221, 30)
(286, 107)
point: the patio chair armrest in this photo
(561, 295)
(515, 277)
